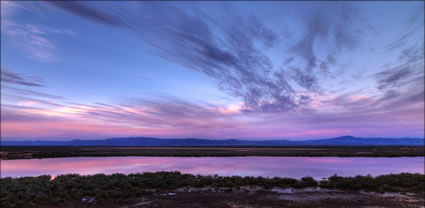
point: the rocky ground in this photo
(253, 197)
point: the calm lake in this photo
(294, 167)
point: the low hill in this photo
(150, 141)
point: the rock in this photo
(92, 200)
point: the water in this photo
(294, 167)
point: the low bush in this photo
(30, 191)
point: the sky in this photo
(212, 69)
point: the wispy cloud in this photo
(415, 26)
(290, 97)
(324, 38)
(176, 118)
(34, 39)
(14, 78)
(173, 117)
(233, 48)
(82, 10)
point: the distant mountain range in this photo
(149, 141)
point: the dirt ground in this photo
(245, 198)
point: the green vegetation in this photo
(33, 191)
(391, 182)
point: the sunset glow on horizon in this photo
(213, 70)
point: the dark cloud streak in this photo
(14, 78)
(82, 10)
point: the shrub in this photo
(24, 191)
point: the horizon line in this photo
(245, 139)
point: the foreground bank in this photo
(164, 189)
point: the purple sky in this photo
(252, 70)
